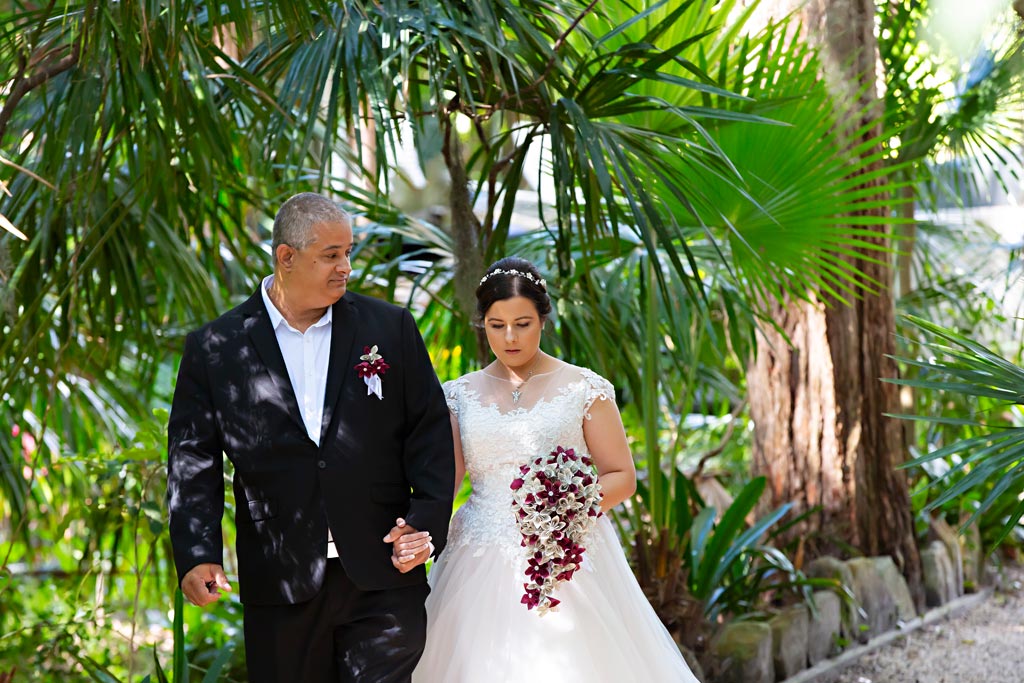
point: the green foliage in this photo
(87, 586)
(808, 212)
(698, 569)
(984, 446)
(956, 121)
(717, 551)
(153, 220)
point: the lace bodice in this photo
(498, 437)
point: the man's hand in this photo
(203, 584)
(411, 547)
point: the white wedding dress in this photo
(478, 630)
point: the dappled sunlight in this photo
(791, 246)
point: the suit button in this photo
(322, 464)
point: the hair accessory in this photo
(540, 282)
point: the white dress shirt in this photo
(306, 356)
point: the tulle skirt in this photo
(478, 631)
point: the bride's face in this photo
(513, 331)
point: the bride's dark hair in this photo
(509, 277)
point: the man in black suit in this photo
(327, 406)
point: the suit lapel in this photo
(345, 319)
(257, 323)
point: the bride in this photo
(525, 404)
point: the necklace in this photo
(517, 390)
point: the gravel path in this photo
(983, 646)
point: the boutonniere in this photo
(371, 369)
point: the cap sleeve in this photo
(597, 389)
(453, 394)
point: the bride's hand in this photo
(411, 547)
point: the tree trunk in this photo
(792, 394)
(466, 229)
(821, 437)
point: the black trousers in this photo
(342, 635)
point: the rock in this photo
(874, 597)
(994, 576)
(744, 653)
(824, 628)
(897, 586)
(939, 530)
(973, 553)
(789, 641)
(827, 567)
(694, 663)
(939, 576)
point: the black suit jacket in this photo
(377, 459)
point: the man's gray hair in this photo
(293, 224)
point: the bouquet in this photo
(557, 500)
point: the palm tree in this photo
(832, 446)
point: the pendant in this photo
(515, 395)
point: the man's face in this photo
(318, 274)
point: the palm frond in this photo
(992, 460)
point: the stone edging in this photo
(826, 670)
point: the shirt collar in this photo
(276, 318)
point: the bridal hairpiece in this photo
(540, 282)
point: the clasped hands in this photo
(410, 548)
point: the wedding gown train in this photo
(478, 630)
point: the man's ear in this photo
(285, 256)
